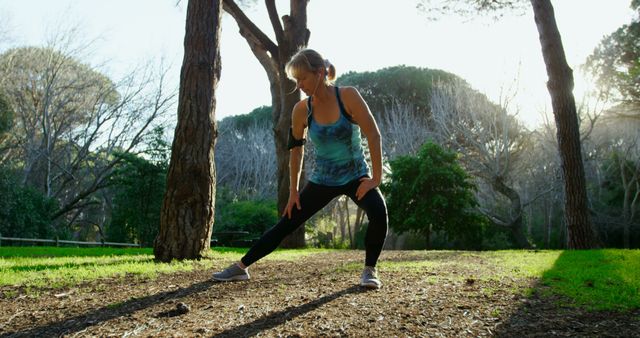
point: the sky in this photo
(495, 57)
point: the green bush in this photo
(24, 211)
(431, 193)
(252, 216)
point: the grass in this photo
(38, 267)
(598, 279)
(595, 279)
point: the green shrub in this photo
(24, 211)
(252, 216)
(431, 193)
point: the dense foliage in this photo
(138, 187)
(243, 122)
(6, 115)
(616, 62)
(431, 192)
(64, 125)
(24, 211)
(399, 84)
(242, 214)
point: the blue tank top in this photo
(338, 147)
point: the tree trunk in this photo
(186, 218)
(282, 124)
(427, 237)
(580, 232)
(630, 197)
(548, 218)
(515, 224)
(291, 35)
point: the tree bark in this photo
(186, 218)
(560, 85)
(291, 35)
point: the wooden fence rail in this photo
(57, 242)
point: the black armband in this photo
(292, 143)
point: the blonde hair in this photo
(311, 61)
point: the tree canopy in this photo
(6, 115)
(385, 87)
(616, 62)
(260, 116)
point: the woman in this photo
(332, 117)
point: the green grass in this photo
(594, 279)
(606, 279)
(598, 279)
(37, 267)
(43, 251)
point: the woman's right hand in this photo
(294, 199)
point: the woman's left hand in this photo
(366, 184)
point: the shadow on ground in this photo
(103, 314)
(278, 318)
(546, 314)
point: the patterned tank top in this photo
(338, 146)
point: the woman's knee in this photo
(376, 209)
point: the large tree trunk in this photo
(186, 219)
(560, 85)
(291, 35)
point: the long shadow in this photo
(278, 318)
(103, 314)
(546, 313)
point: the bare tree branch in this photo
(251, 31)
(275, 20)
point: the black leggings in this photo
(313, 198)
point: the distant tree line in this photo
(70, 141)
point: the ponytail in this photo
(331, 71)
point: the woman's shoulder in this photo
(349, 93)
(300, 109)
(301, 106)
(347, 89)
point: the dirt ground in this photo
(313, 296)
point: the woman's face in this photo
(308, 81)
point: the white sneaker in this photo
(232, 273)
(369, 278)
